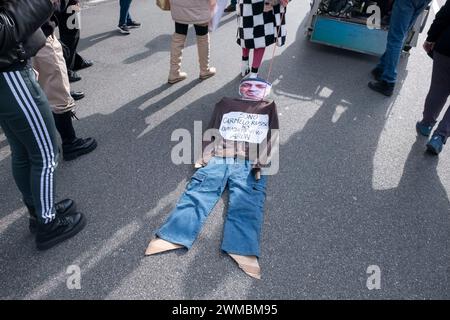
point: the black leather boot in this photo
(72, 146)
(78, 147)
(64, 207)
(61, 228)
(382, 87)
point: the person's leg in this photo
(69, 34)
(176, 53)
(438, 95)
(402, 14)
(53, 78)
(30, 126)
(131, 23)
(21, 166)
(124, 11)
(196, 203)
(26, 110)
(258, 55)
(439, 90)
(203, 47)
(245, 66)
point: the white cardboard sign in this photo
(242, 126)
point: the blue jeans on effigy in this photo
(244, 218)
(404, 15)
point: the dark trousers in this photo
(438, 95)
(69, 37)
(182, 28)
(124, 12)
(28, 124)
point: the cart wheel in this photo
(407, 48)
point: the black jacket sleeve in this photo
(19, 19)
(440, 23)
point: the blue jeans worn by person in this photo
(404, 15)
(124, 12)
(244, 218)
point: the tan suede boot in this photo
(176, 53)
(203, 57)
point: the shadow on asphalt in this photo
(324, 222)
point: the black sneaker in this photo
(382, 87)
(73, 76)
(133, 24)
(64, 207)
(60, 229)
(83, 64)
(78, 147)
(230, 8)
(77, 95)
(124, 29)
(377, 73)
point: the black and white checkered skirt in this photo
(259, 29)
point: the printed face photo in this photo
(253, 89)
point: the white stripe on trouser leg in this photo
(42, 142)
(52, 162)
(44, 183)
(36, 136)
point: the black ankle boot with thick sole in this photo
(78, 147)
(64, 207)
(61, 228)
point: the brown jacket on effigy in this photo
(191, 11)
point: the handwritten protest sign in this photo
(242, 126)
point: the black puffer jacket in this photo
(20, 34)
(440, 30)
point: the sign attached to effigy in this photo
(242, 126)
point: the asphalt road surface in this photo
(355, 187)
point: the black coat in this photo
(20, 34)
(440, 30)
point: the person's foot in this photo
(208, 73)
(175, 77)
(436, 144)
(133, 24)
(73, 76)
(382, 87)
(83, 65)
(78, 147)
(230, 8)
(377, 73)
(61, 228)
(77, 95)
(245, 68)
(423, 129)
(124, 29)
(64, 207)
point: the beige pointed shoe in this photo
(176, 54)
(159, 245)
(203, 57)
(249, 264)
